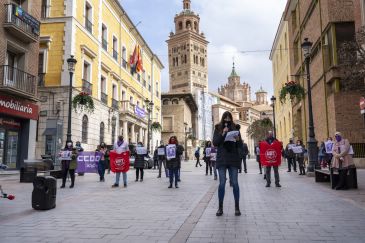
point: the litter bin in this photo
(44, 193)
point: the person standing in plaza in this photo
(161, 156)
(213, 159)
(120, 146)
(155, 158)
(227, 139)
(243, 151)
(69, 166)
(328, 151)
(197, 157)
(257, 153)
(206, 158)
(270, 140)
(139, 160)
(342, 159)
(104, 160)
(174, 152)
(299, 156)
(290, 156)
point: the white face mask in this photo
(69, 144)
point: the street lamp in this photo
(273, 99)
(71, 68)
(312, 142)
(149, 105)
(186, 139)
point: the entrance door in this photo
(2, 145)
(12, 149)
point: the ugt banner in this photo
(87, 162)
(270, 154)
(119, 162)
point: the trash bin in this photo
(44, 193)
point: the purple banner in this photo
(87, 162)
(140, 112)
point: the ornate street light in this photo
(71, 68)
(273, 99)
(149, 105)
(312, 142)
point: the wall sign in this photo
(19, 108)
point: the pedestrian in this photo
(174, 152)
(69, 165)
(161, 159)
(257, 153)
(342, 160)
(104, 160)
(197, 157)
(120, 146)
(328, 154)
(213, 159)
(228, 158)
(206, 158)
(299, 151)
(321, 154)
(290, 156)
(243, 151)
(155, 158)
(141, 153)
(270, 139)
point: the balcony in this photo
(124, 63)
(104, 98)
(105, 44)
(115, 104)
(115, 55)
(41, 79)
(87, 87)
(21, 24)
(88, 25)
(127, 107)
(16, 81)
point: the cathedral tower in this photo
(188, 54)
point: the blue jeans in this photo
(101, 169)
(233, 174)
(117, 178)
(172, 173)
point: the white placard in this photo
(230, 137)
(213, 156)
(161, 151)
(171, 151)
(65, 155)
(141, 150)
(207, 152)
(297, 149)
(328, 145)
(351, 151)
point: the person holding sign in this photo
(328, 148)
(69, 163)
(299, 150)
(141, 152)
(174, 152)
(161, 150)
(206, 158)
(228, 158)
(290, 155)
(213, 159)
(120, 147)
(104, 160)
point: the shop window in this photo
(102, 132)
(85, 127)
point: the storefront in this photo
(17, 131)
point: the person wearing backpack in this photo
(197, 156)
(290, 156)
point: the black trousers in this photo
(137, 173)
(260, 167)
(244, 165)
(292, 162)
(72, 176)
(276, 174)
(197, 162)
(208, 164)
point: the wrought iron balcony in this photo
(115, 104)
(87, 87)
(88, 25)
(104, 98)
(21, 24)
(115, 55)
(16, 81)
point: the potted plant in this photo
(83, 102)
(156, 126)
(294, 89)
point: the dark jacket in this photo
(243, 150)
(289, 154)
(139, 160)
(175, 163)
(70, 164)
(227, 152)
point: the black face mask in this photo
(227, 124)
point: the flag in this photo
(119, 162)
(270, 154)
(136, 60)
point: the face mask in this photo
(69, 144)
(338, 138)
(227, 123)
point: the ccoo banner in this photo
(87, 162)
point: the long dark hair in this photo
(174, 137)
(226, 114)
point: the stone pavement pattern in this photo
(300, 211)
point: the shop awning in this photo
(50, 131)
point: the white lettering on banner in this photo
(88, 158)
(16, 106)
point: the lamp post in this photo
(312, 142)
(186, 139)
(273, 99)
(71, 68)
(149, 105)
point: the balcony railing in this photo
(18, 81)
(21, 24)
(115, 104)
(88, 25)
(87, 87)
(104, 98)
(115, 54)
(124, 63)
(41, 80)
(105, 44)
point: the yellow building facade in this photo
(281, 74)
(102, 38)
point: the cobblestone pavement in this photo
(300, 211)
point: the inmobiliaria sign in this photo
(18, 108)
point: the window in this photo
(86, 72)
(123, 95)
(115, 48)
(124, 57)
(102, 132)
(156, 88)
(131, 100)
(88, 17)
(45, 9)
(104, 37)
(114, 92)
(328, 49)
(180, 25)
(85, 126)
(114, 123)
(103, 85)
(344, 32)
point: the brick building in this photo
(327, 24)
(19, 49)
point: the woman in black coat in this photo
(228, 158)
(139, 162)
(174, 164)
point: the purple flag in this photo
(87, 162)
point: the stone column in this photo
(145, 137)
(140, 135)
(125, 130)
(133, 134)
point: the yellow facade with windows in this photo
(101, 37)
(281, 74)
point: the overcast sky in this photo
(231, 27)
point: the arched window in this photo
(195, 26)
(102, 132)
(165, 102)
(180, 25)
(175, 102)
(85, 127)
(188, 24)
